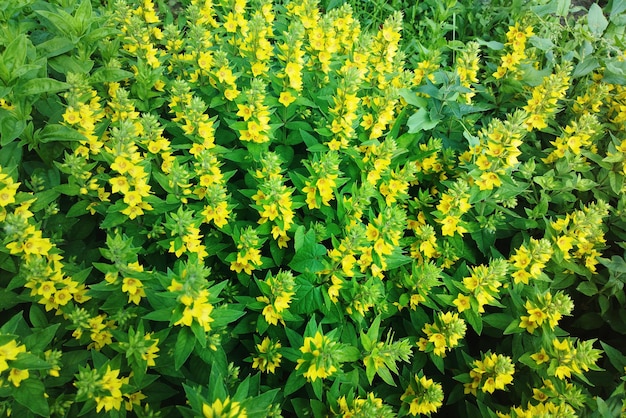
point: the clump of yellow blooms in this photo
(581, 234)
(492, 373)
(517, 37)
(546, 309)
(224, 409)
(278, 292)
(483, 285)
(324, 176)
(318, 358)
(545, 98)
(423, 396)
(443, 335)
(268, 356)
(370, 406)
(248, 257)
(530, 259)
(467, 66)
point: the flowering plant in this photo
(247, 209)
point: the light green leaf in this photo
(37, 86)
(421, 121)
(596, 20)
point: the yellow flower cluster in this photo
(544, 100)
(318, 357)
(467, 66)
(483, 285)
(370, 406)
(248, 257)
(256, 46)
(578, 136)
(546, 409)
(324, 175)
(582, 233)
(84, 111)
(497, 150)
(224, 409)
(346, 104)
(530, 259)
(9, 352)
(516, 42)
(563, 358)
(423, 396)
(547, 309)
(255, 114)
(493, 372)
(452, 206)
(111, 384)
(277, 291)
(268, 356)
(384, 233)
(442, 335)
(273, 200)
(196, 307)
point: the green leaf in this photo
(82, 17)
(587, 288)
(61, 20)
(308, 252)
(54, 47)
(474, 320)
(185, 343)
(10, 128)
(596, 21)
(31, 394)
(37, 317)
(562, 7)
(37, 86)
(224, 316)
(294, 382)
(54, 133)
(586, 66)
(10, 154)
(8, 299)
(28, 361)
(14, 56)
(107, 75)
(618, 7)
(78, 209)
(385, 374)
(616, 357)
(498, 320)
(615, 73)
(347, 353)
(421, 121)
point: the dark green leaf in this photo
(31, 394)
(185, 343)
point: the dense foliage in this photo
(240, 208)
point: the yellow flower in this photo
(286, 98)
(462, 302)
(540, 357)
(16, 376)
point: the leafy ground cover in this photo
(252, 208)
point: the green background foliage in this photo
(338, 208)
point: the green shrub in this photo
(240, 208)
